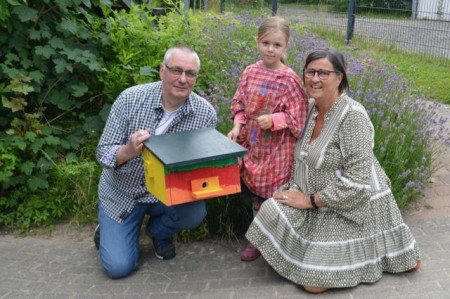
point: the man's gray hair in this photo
(186, 49)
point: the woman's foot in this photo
(315, 290)
(250, 253)
(416, 268)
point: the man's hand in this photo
(133, 147)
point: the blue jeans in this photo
(119, 242)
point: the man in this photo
(138, 113)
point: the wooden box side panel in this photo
(180, 185)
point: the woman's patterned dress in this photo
(360, 233)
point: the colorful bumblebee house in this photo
(192, 165)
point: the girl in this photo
(269, 111)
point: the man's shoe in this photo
(164, 248)
(250, 253)
(97, 237)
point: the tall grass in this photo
(424, 75)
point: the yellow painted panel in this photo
(154, 176)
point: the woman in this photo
(336, 224)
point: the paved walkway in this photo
(66, 265)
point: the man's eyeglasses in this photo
(176, 71)
(323, 74)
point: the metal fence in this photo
(418, 26)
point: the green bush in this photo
(48, 92)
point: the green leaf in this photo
(61, 65)
(27, 167)
(10, 57)
(20, 143)
(34, 34)
(74, 140)
(24, 13)
(36, 145)
(52, 140)
(94, 124)
(65, 144)
(56, 43)
(105, 112)
(16, 104)
(147, 71)
(46, 51)
(95, 66)
(69, 26)
(37, 76)
(63, 3)
(13, 2)
(79, 89)
(87, 3)
(30, 136)
(60, 98)
(106, 2)
(37, 182)
(23, 88)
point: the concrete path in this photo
(66, 265)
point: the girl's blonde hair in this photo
(272, 24)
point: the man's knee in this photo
(194, 215)
(119, 268)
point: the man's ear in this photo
(161, 70)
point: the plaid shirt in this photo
(268, 163)
(139, 107)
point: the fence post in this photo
(274, 7)
(222, 6)
(414, 9)
(351, 20)
(186, 4)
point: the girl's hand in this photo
(265, 121)
(234, 133)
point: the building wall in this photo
(433, 10)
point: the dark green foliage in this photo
(48, 93)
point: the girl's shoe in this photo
(250, 253)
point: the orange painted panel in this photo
(204, 183)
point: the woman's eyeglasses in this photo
(323, 74)
(176, 71)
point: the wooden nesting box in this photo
(192, 165)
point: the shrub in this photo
(47, 92)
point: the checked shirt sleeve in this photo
(113, 136)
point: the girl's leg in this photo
(250, 253)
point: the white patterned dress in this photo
(359, 233)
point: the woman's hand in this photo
(293, 198)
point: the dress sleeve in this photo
(239, 99)
(350, 189)
(295, 104)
